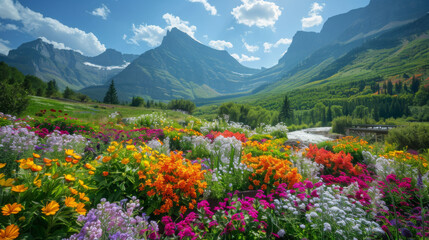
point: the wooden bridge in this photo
(364, 130)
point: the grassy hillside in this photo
(92, 111)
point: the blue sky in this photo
(256, 32)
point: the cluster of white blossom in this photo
(331, 213)
(17, 138)
(153, 120)
(57, 142)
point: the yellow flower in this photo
(111, 149)
(9, 209)
(125, 161)
(69, 152)
(10, 232)
(114, 143)
(35, 155)
(6, 183)
(82, 197)
(137, 156)
(73, 191)
(129, 141)
(83, 184)
(89, 166)
(26, 163)
(51, 208)
(77, 157)
(36, 168)
(146, 163)
(81, 209)
(19, 188)
(37, 182)
(70, 202)
(91, 173)
(131, 148)
(69, 178)
(2, 165)
(21, 219)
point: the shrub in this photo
(413, 136)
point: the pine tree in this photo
(52, 88)
(415, 84)
(390, 88)
(285, 112)
(111, 95)
(68, 93)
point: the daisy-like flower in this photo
(10, 232)
(70, 202)
(51, 208)
(69, 178)
(9, 209)
(2, 165)
(19, 188)
(81, 208)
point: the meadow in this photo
(96, 171)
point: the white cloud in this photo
(124, 37)
(230, 28)
(4, 49)
(5, 27)
(220, 44)
(153, 34)
(257, 12)
(9, 11)
(207, 6)
(250, 48)
(314, 18)
(281, 41)
(244, 58)
(37, 25)
(176, 22)
(102, 11)
(58, 45)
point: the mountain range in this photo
(385, 38)
(67, 67)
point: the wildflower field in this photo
(149, 177)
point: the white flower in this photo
(281, 233)
(302, 226)
(326, 227)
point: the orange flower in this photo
(51, 208)
(19, 188)
(11, 232)
(91, 172)
(69, 159)
(129, 141)
(26, 163)
(69, 178)
(6, 183)
(70, 202)
(9, 209)
(2, 165)
(73, 191)
(36, 168)
(81, 209)
(89, 166)
(37, 182)
(105, 173)
(82, 197)
(125, 161)
(106, 159)
(35, 155)
(48, 162)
